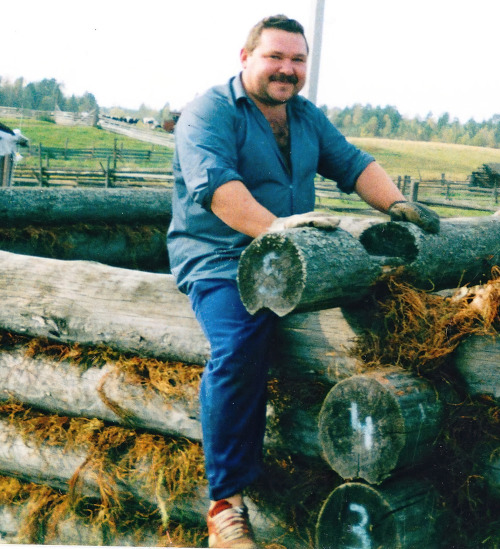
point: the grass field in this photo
(418, 159)
(427, 160)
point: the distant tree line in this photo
(368, 121)
(43, 95)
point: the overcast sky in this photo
(418, 56)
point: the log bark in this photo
(374, 424)
(400, 514)
(47, 206)
(54, 465)
(139, 247)
(60, 387)
(93, 304)
(145, 314)
(477, 360)
(464, 251)
(303, 270)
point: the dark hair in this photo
(281, 22)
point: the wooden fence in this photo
(104, 177)
(118, 153)
(437, 192)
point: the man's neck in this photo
(271, 112)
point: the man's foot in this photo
(229, 527)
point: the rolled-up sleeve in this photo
(206, 149)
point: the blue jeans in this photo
(233, 389)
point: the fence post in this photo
(40, 165)
(414, 190)
(399, 182)
(106, 181)
(406, 181)
(6, 168)
(495, 192)
(114, 154)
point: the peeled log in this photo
(60, 387)
(117, 245)
(70, 529)
(464, 251)
(92, 304)
(373, 424)
(145, 314)
(400, 514)
(48, 206)
(477, 359)
(304, 269)
(55, 465)
(318, 345)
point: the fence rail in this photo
(105, 177)
(440, 192)
(100, 152)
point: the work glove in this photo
(320, 220)
(415, 213)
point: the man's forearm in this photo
(376, 188)
(234, 204)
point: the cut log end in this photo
(391, 239)
(348, 517)
(396, 516)
(361, 429)
(271, 275)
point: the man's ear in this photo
(243, 57)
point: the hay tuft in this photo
(418, 330)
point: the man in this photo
(246, 156)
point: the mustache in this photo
(287, 78)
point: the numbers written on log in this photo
(372, 424)
(305, 269)
(397, 515)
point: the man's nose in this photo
(287, 66)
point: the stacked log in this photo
(106, 351)
(119, 227)
(377, 426)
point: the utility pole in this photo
(316, 33)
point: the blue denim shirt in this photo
(222, 136)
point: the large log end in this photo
(361, 429)
(271, 274)
(399, 515)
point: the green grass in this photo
(427, 160)
(49, 134)
(75, 137)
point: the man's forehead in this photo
(278, 39)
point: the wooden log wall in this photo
(106, 351)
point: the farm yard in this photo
(383, 419)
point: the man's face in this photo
(276, 69)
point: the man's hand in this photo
(415, 213)
(320, 220)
